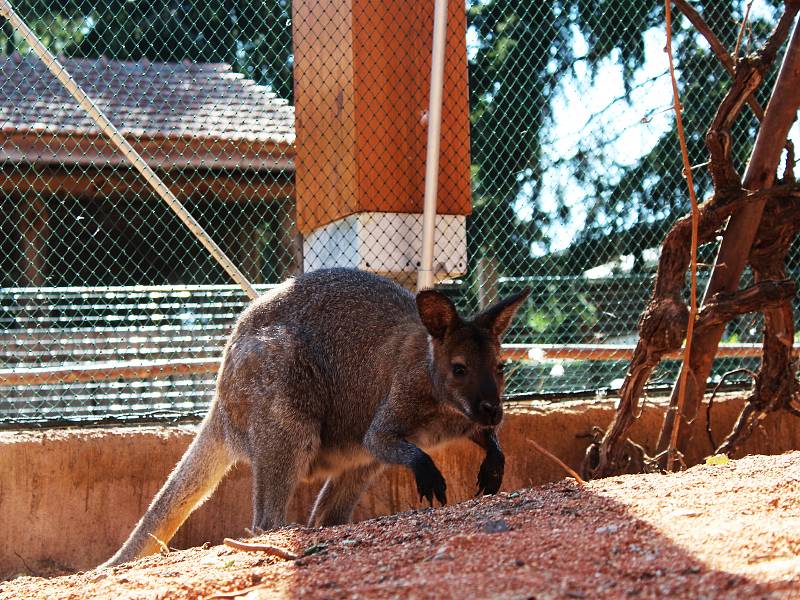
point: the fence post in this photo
(425, 273)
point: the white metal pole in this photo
(425, 274)
(120, 142)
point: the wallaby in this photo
(335, 374)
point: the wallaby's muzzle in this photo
(488, 406)
(490, 413)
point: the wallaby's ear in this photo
(498, 316)
(437, 312)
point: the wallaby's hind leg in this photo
(190, 483)
(284, 451)
(337, 499)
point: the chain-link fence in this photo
(295, 134)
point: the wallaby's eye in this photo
(459, 370)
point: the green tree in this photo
(524, 51)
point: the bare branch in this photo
(742, 28)
(717, 48)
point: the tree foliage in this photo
(524, 51)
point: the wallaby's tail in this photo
(192, 481)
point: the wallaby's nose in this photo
(492, 412)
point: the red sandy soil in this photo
(723, 531)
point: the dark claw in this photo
(430, 482)
(490, 475)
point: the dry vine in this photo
(760, 226)
(687, 169)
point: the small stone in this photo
(519, 562)
(441, 554)
(607, 529)
(495, 526)
(684, 512)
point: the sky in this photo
(595, 108)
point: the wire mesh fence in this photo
(295, 134)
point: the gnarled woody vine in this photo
(760, 218)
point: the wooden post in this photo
(487, 271)
(291, 242)
(362, 81)
(251, 247)
(34, 230)
(362, 72)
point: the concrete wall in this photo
(68, 498)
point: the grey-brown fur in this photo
(334, 375)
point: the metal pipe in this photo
(425, 273)
(123, 145)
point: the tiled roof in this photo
(204, 109)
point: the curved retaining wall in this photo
(68, 498)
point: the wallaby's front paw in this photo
(430, 481)
(490, 476)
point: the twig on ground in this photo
(250, 547)
(558, 461)
(236, 593)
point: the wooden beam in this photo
(36, 146)
(98, 371)
(34, 230)
(607, 351)
(103, 183)
(147, 369)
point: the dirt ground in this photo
(714, 531)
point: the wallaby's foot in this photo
(116, 560)
(338, 497)
(430, 481)
(132, 550)
(490, 475)
(107, 565)
(145, 547)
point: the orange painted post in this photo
(362, 78)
